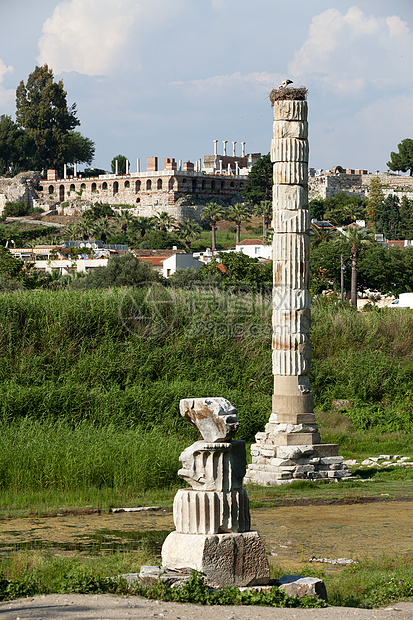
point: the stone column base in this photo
(273, 465)
(225, 559)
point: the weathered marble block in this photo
(289, 149)
(298, 221)
(214, 466)
(211, 512)
(291, 246)
(291, 274)
(290, 129)
(225, 559)
(290, 197)
(215, 418)
(290, 110)
(290, 172)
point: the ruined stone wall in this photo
(20, 188)
(179, 193)
(328, 185)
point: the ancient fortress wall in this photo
(181, 193)
(328, 185)
(19, 188)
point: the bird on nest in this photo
(285, 83)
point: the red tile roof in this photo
(250, 242)
(163, 253)
(155, 261)
(396, 243)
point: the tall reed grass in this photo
(104, 370)
(36, 456)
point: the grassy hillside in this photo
(90, 381)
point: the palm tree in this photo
(104, 227)
(238, 213)
(164, 221)
(212, 212)
(264, 209)
(124, 220)
(318, 235)
(84, 229)
(70, 232)
(356, 237)
(188, 230)
(142, 224)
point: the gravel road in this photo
(108, 607)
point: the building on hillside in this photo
(179, 261)
(181, 188)
(254, 248)
(166, 262)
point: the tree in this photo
(9, 266)
(317, 208)
(356, 238)
(122, 270)
(84, 229)
(406, 217)
(388, 219)
(320, 235)
(121, 159)
(403, 160)
(212, 212)
(243, 269)
(104, 228)
(164, 221)
(260, 181)
(343, 209)
(124, 220)
(264, 210)
(188, 230)
(13, 144)
(238, 213)
(78, 148)
(142, 224)
(375, 199)
(44, 115)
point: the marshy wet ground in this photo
(291, 534)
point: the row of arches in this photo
(176, 184)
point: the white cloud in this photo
(396, 26)
(349, 53)
(219, 83)
(218, 5)
(6, 95)
(92, 36)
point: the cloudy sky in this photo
(166, 77)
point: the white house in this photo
(183, 261)
(254, 248)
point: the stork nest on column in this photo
(300, 94)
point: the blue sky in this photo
(166, 77)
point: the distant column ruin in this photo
(290, 447)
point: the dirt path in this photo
(107, 607)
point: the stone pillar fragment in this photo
(212, 518)
(291, 432)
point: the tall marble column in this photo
(290, 447)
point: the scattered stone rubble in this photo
(384, 460)
(292, 585)
(336, 561)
